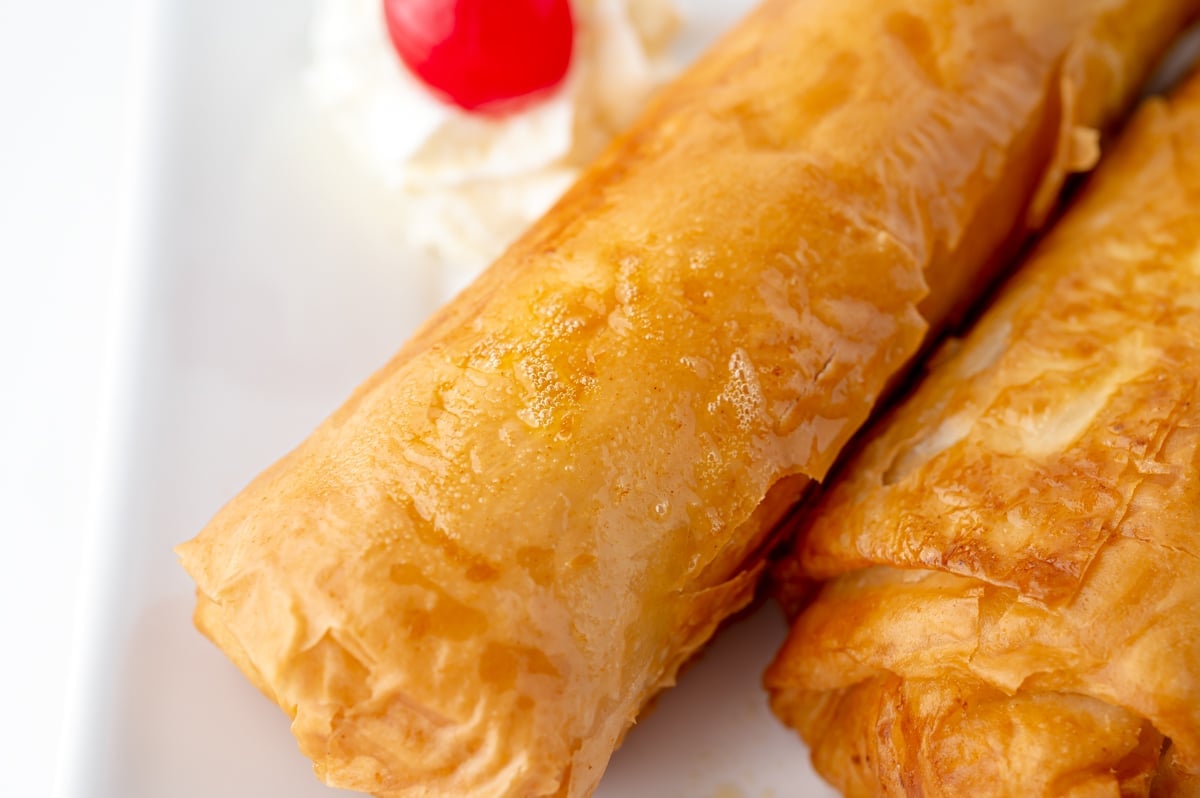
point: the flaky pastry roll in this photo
(471, 578)
(1015, 554)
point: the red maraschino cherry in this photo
(482, 54)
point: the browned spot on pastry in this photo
(913, 34)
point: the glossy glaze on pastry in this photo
(1015, 554)
(472, 577)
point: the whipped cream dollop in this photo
(468, 184)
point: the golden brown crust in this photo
(1026, 523)
(962, 738)
(473, 575)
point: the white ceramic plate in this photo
(264, 282)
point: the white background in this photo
(65, 97)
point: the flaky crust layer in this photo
(470, 579)
(1016, 551)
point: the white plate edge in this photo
(127, 301)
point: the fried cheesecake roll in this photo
(471, 578)
(1015, 554)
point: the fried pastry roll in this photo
(1015, 553)
(470, 579)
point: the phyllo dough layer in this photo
(1015, 554)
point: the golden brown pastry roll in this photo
(472, 577)
(1015, 554)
